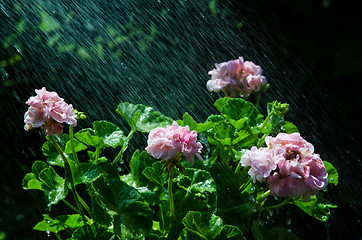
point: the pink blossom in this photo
(289, 165)
(48, 110)
(261, 163)
(161, 143)
(236, 78)
(166, 142)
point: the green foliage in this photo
(141, 117)
(60, 223)
(45, 178)
(214, 199)
(316, 207)
(332, 173)
(207, 226)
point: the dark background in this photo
(311, 53)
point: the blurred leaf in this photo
(156, 173)
(111, 134)
(201, 225)
(142, 118)
(332, 173)
(48, 23)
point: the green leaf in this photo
(200, 184)
(49, 225)
(136, 216)
(279, 233)
(230, 232)
(84, 233)
(138, 163)
(198, 127)
(37, 167)
(30, 181)
(156, 173)
(77, 145)
(89, 137)
(60, 223)
(232, 205)
(316, 207)
(289, 127)
(235, 109)
(89, 172)
(113, 193)
(111, 134)
(54, 186)
(53, 157)
(203, 225)
(332, 173)
(141, 117)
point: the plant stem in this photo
(71, 175)
(124, 146)
(170, 196)
(266, 120)
(285, 202)
(72, 144)
(70, 205)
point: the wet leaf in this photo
(141, 117)
(234, 109)
(136, 216)
(54, 185)
(198, 127)
(60, 223)
(332, 173)
(138, 163)
(201, 225)
(111, 134)
(89, 137)
(231, 233)
(316, 207)
(156, 173)
(53, 157)
(113, 193)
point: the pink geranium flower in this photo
(289, 165)
(48, 110)
(236, 78)
(166, 143)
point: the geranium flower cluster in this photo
(236, 78)
(166, 143)
(48, 110)
(289, 165)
